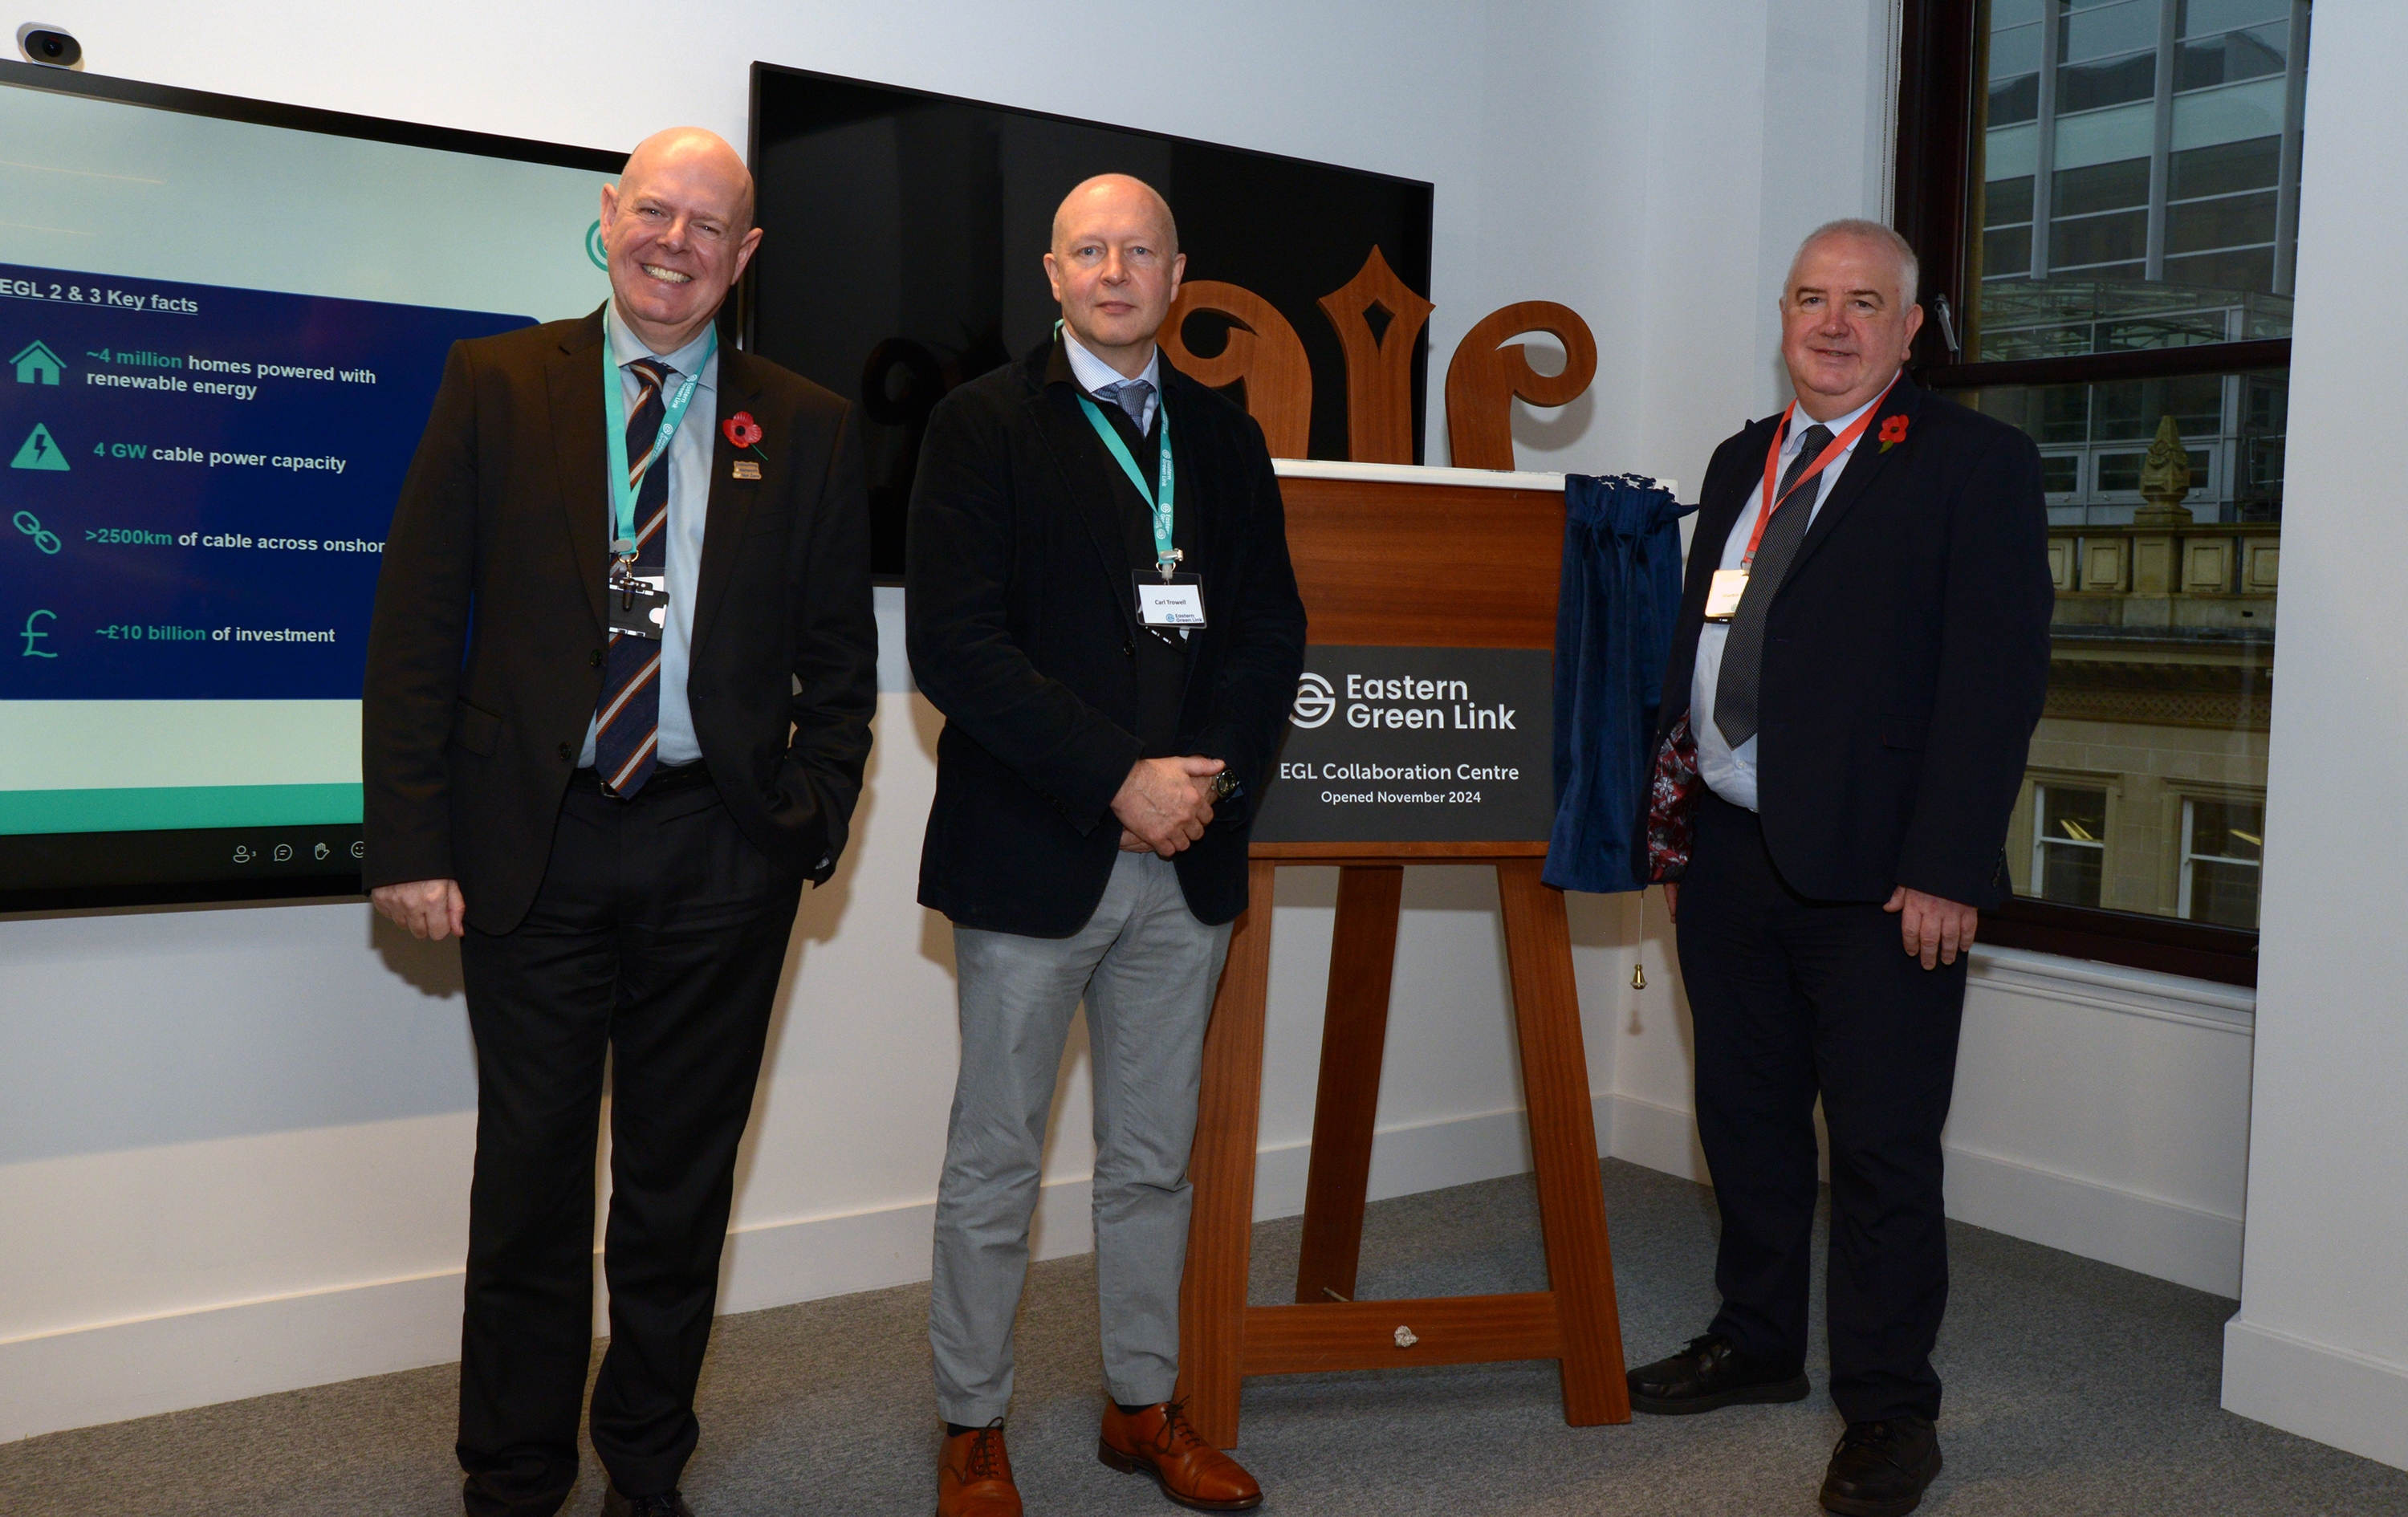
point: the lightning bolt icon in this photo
(41, 451)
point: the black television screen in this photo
(905, 234)
(225, 320)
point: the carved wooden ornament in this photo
(1485, 377)
(1379, 369)
(1262, 352)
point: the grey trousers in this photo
(1147, 970)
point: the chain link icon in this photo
(31, 525)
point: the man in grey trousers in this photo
(1099, 600)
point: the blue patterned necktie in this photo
(1131, 396)
(626, 738)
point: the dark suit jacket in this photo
(1021, 619)
(1905, 657)
(486, 651)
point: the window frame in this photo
(2042, 842)
(2188, 856)
(1939, 54)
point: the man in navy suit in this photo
(1861, 655)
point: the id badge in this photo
(639, 605)
(1723, 594)
(1176, 603)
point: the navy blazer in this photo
(1021, 619)
(1905, 655)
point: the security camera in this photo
(49, 46)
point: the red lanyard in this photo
(1840, 445)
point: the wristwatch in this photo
(1225, 785)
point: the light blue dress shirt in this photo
(1730, 772)
(1094, 374)
(689, 466)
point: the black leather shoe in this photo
(1879, 1468)
(668, 1504)
(1712, 1372)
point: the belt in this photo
(666, 780)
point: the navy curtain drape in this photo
(1614, 629)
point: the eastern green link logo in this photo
(595, 250)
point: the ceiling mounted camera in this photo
(49, 46)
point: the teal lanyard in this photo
(627, 481)
(1165, 553)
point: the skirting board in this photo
(2144, 1233)
(2317, 1391)
(111, 1371)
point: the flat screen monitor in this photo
(223, 322)
(906, 234)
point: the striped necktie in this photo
(626, 738)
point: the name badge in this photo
(1178, 602)
(1723, 595)
(639, 605)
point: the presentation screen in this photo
(223, 322)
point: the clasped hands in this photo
(1165, 804)
(1931, 927)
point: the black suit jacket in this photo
(1905, 656)
(1021, 619)
(485, 655)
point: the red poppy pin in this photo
(1893, 431)
(744, 431)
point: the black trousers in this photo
(1792, 998)
(657, 939)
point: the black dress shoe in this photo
(1881, 1467)
(1712, 1372)
(667, 1504)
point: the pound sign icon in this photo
(32, 637)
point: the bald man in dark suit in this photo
(619, 688)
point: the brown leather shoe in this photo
(974, 1474)
(1159, 1443)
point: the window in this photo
(2105, 192)
(2222, 845)
(2069, 844)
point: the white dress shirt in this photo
(1093, 374)
(1730, 772)
(688, 461)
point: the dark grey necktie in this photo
(1132, 395)
(1735, 690)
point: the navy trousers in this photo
(1792, 999)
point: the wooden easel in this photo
(1400, 557)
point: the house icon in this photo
(37, 365)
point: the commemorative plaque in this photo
(1415, 745)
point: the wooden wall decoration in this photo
(1379, 363)
(1263, 352)
(1485, 377)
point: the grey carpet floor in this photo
(2074, 1388)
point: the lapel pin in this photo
(744, 431)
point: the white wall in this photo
(234, 1143)
(2321, 1344)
